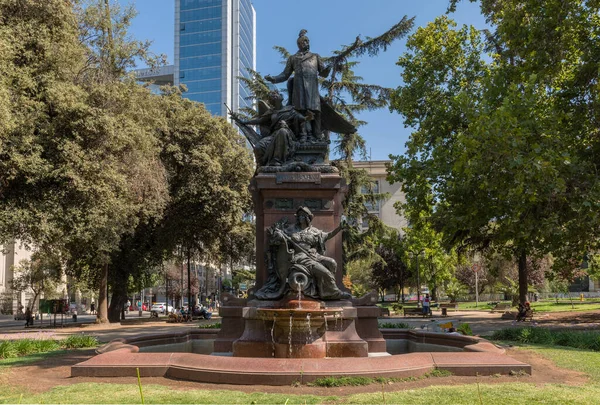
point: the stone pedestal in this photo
(278, 195)
(275, 329)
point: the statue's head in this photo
(281, 124)
(275, 97)
(304, 213)
(303, 41)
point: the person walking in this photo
(426, 305)
(28, 317)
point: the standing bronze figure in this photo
(307, 67)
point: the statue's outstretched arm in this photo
(283, 76)
(331, 234)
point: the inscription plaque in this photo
(313, 204)
(284, 204)
(298, 178)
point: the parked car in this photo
(162, 308)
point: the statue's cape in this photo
(334, 122)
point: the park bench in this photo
(384, 312)
(415, 311)
(448, 305)
(501, 307)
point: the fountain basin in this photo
(461, 355)
(294, 328)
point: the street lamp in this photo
(416, 255)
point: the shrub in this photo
(7, 349)
(47, 345)
(342, 381)
(26, 346)
(391, 325)
(438, 373)
(587, 340)
(397, 307)
(465, 329)
(216, 325)
(79, 341)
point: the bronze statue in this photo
(304, 96)
(277, 150)
(300, 248)
(277, 141)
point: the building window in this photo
(375, 185)
(181, 74)
(371, 207)
(182, 27)
(365, 223)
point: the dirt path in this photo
(56, 371)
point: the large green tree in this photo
(506, 129)
(208, 169)
(80, 165)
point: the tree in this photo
(208, 170)
(505, 129)
(243, 276)
(40, 275)
(391, 273)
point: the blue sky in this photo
(330, 24)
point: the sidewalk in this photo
(482, 323)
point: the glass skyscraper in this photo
(215, 42)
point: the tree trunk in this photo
(116, 310)
(522, 277)
(102, 314)
(189, 280)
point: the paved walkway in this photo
(482, 323)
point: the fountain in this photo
(299, 323)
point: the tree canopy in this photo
(505, 122)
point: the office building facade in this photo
(215, 42)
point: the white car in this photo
(162, 308)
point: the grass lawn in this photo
(542, 306)
(546, 305)
(519, 392)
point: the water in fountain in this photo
(325, 317)
(290, 335)
(309, 336)
(273, 334)
(300, 298)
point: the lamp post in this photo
(416, 255)
(476, 267)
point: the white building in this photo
(385, 209)
(10, 256)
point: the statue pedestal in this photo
(271, 328)
(278, 195)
